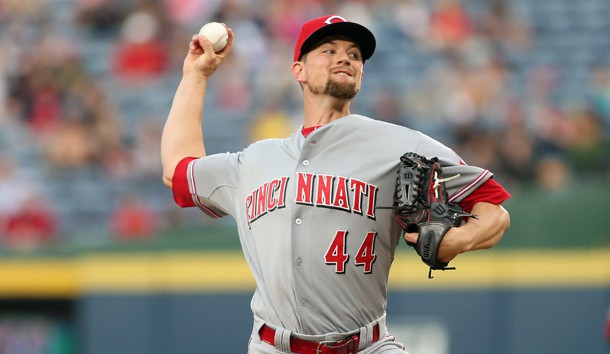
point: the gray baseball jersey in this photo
(306, 210)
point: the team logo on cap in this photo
(335, 17)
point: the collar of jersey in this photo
(309, 130)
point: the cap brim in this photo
(356, 32)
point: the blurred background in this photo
(96, 258)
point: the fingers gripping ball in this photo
(217, 34)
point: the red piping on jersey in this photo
(196, 196)
(490, 192)
(181, 186)
(469, 186)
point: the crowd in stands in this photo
(521, 88)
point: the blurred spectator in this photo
(49, 64)
(32, 225)
(517, 154)
(479, 148)
(478, 89)
(599, 95)
(46, 79)
(272, 122)
(508, 31)
(13, 188)
(133, 219)
(285, 18)
(552, 173)
(141, 52)
(69, 145)
(253, 49)
(102, 15)
(235, 93)
(40, 98)
(357, 10)
(188, 12)
(116, 163)
(544, 118)
(450, 25)
(586, 146)
(88, 132)
(388, 107)
(147, 164)
(27, 10)
(412, 18)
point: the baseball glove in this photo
(421, 205)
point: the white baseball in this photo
(216, 33)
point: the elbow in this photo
(498, 222)
(504, 219)
(503, 224)
(174, 168)
(167, 179)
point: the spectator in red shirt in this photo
(133, 219)
(140, 52)
(33, 225)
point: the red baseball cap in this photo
(330, 25)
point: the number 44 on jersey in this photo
(337, 252)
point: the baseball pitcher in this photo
(321, 212)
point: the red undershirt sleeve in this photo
(490, 192)
(180, 184)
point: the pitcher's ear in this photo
(298, 71)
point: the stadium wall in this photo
(499, 302)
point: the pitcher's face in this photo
(334, 68)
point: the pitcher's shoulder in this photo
(372, 125)
(290, 145)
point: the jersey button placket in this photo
(302, 247)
